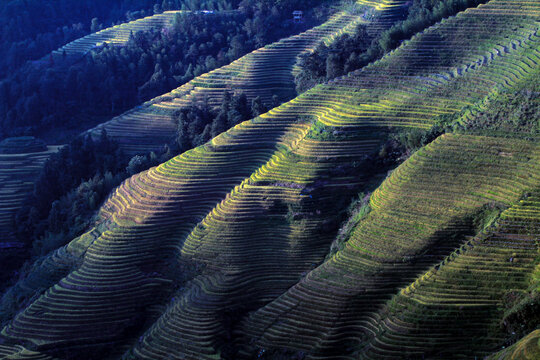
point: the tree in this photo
(275, 101)
(165, 5)
(54, 218)
(95, 25)
(219, 124)
(136, 164)
(226, 102)
(257, 107)
(334, 66)
(240, 104)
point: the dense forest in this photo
(33, 28)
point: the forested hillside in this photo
(74, 182)
(360, 183)
(47, 97)
(32, 28)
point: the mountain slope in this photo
(264, 73)
(456, 307)
(526, 349)
(162, 128)
(115, 35)
(421, 213)
(18, 170)
(250, 213)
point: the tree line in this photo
(110, 80)
(76, 181)
(32, 28)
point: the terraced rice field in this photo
(145, 128)
(444, 311)
(263, 73)
(253, 213)
(452, 307)
(382, 13)
(115, 35)
(18, 172)
(527, 348)
(21, 353)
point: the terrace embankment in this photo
(254, 211)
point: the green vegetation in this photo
(264, 76)
(46, 100)
(527, 348)
(521, 315)
(20, 162)
(35, 228)
(198, 124)
(345, 54)
(53, 194)
(510, 111)
(31, 29)
(412, 226)
(361, 219)
(460, 299)
(358, 210)
(351, 52)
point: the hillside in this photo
(414, 226)
(390, 213)
(115, 35)
(33, 28)
(134, 126)
(526, 348)
(21, 160)
(263, 73)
